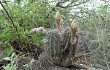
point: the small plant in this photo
(12, 64)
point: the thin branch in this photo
(8, 8)
(10, 18)
(53, 9)
(86, 54)
(47, 15)
(78, 4)
(70, 4)
(58, 4)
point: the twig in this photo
(8, 8)
(53, 9)
(10, 18)
(75, 66)
(69, 5)
(81, 55)
(47, 15)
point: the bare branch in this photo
(70, 4)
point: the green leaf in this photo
(7, 58)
